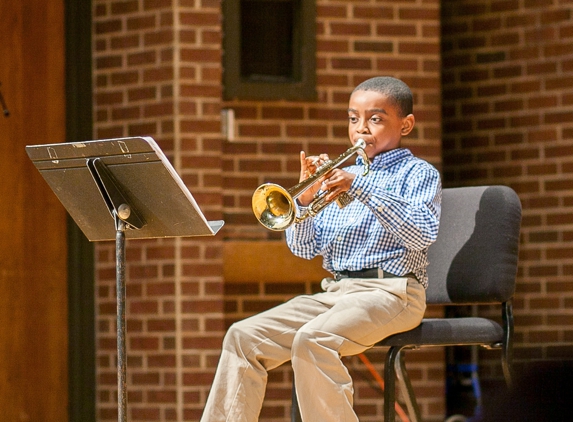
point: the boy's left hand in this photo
(336, 182)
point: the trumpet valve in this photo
(343, 199)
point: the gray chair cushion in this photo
(448, 332)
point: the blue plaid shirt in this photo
(390, 224)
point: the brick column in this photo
(157, 73)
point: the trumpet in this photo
(274, 206)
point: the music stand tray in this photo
(143, 176)
(118, 188)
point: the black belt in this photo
(368, 273)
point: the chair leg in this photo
(294, 411)
(394, 368)
(507, 347)
(390, 384)
(406, 387)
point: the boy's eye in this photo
(375, 119)
(352, 119)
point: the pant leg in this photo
(252, 347)
(365, 312)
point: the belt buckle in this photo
(339, 275)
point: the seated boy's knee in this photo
(303, 339)
(239, 332)
(235, 332)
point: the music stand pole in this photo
(124, 216)
(120, 293)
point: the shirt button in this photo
(339, 238)
(358, 191)
(380, 208)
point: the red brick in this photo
(259, 130)
(143, 343)
(158, 38)
(331, 11)
(125, 42)
(351, 63)
(141, 22)
(282, 112)
(108, 26)
(389, 29)
(156, 4)
(199, 18)
(348, 29)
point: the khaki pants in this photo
(313, 331)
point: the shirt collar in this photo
(387, 159)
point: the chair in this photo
(473, 261)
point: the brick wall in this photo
(157, 72)
(508, 119)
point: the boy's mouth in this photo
(368, 142)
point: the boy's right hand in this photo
(308, 166)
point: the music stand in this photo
(118, 188)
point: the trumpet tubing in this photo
(275, 208)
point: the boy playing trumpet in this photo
(375, 247)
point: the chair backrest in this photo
(474, 259)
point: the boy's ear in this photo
(408, 124)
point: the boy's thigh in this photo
(283, 321)
(361, 318)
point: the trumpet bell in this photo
(273, 206)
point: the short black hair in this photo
(396, 90)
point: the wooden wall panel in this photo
(33, 251)
(268, 261)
